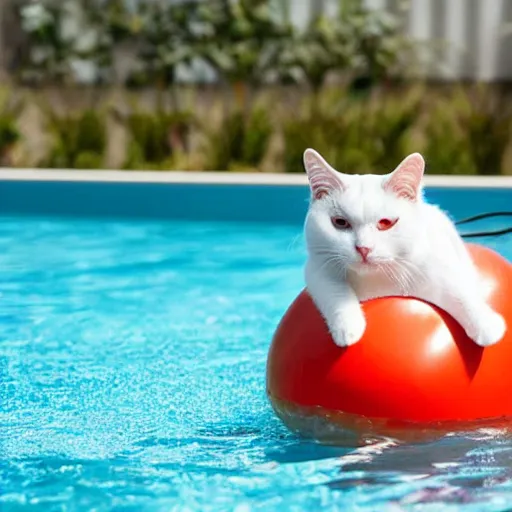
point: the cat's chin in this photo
(364, 267)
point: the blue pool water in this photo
(132, 367)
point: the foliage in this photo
(364, 44)
(164, 33)
(79, 139)
(465, 130)
(258, 132)
(241, 141)
(155, 136)
(11, 108)
(244, 41)
(61, 35)
(239, 39)
(381, 49)
(355, 135)
(468, 132)
(445, 145)
(486, 116)
(323, 47)
(113, 19)
(50, 46)
(388, 124)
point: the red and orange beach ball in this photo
(414, 371)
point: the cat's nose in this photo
(363, 251)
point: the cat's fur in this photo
(422, 255)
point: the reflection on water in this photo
(132, 377)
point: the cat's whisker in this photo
(322, 248)
(403, 271)
(333, 260)
(387, 272)
(295, 243)
(408, 277)
(401, 277)
(418, 275)
(397, 277)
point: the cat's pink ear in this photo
(323, 179)
(405, 180)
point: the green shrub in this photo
(79, 139)
(240, 141)
(325, 133)
(445, 145)
(224, 144)
(9, 133)
(467, 131)
(155, 136)
(355, 135)
(257, 137)
(11, 108)
(486, 117)
(391, 121)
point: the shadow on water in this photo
(456, 469)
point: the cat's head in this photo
(361, 221)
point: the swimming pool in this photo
(132, 360)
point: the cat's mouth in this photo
(367, 266)
(375, 265)
(364, 265)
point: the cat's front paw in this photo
(349, 328)
(492, 329)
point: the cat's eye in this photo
(340, 223)
(385, 224)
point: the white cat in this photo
(371, 236)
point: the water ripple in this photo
(132, 377)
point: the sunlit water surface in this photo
(132, 365)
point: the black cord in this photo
(487, 233)
(485, 216)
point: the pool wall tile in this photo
(193, 201)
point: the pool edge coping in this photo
(220, 178)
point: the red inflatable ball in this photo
(415, 370)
